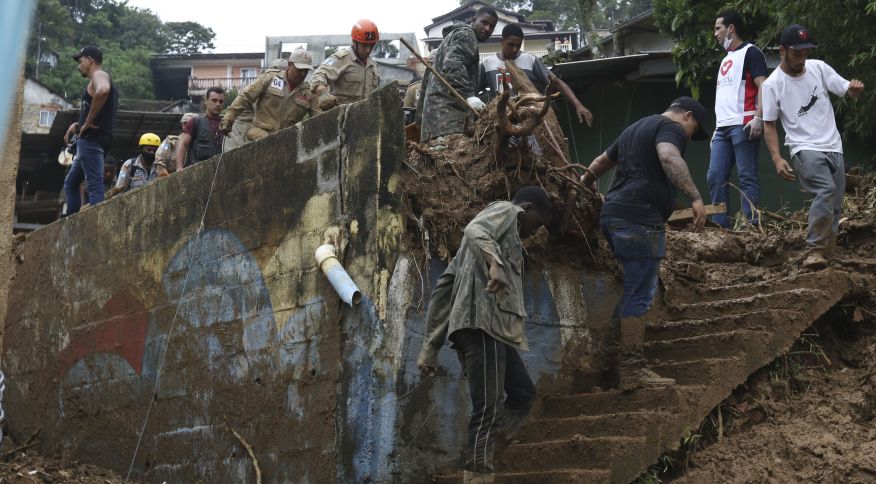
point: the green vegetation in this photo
(126, 35)
(844, 32)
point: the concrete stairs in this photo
(710, 340)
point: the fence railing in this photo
(203, 83)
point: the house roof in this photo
(204, 56)
(470, 6)
(633, 21)
(586, 69)
(47, 88)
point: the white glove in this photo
(475, 103)
(754, 128)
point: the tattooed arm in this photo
(676, 170)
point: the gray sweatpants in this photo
(822, 174)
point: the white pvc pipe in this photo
(337, 276)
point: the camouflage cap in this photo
(301, 59)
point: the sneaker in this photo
(815, 261)
(633, 378)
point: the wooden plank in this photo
(687, 213)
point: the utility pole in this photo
(36, 74)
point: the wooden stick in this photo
(245, 444)
(687, 213)
(440, 78)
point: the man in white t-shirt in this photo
(797, 92)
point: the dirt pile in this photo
(515, 142)
(22, 464)
(809, 417)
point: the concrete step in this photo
(616, 401)
(791, 299)
(556, 476)
(810, 280)
(606, 425)
(584, 452)
(703, 371)
(668, 330)
(713, 345)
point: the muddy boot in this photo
(815, 260)
(469, 477)
(830, 252)
(633, 373)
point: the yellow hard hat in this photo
(150, 139)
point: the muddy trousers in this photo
(823, 175)
(639, 249)
(493, 370)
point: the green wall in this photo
(618, 103)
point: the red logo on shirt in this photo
(725, 67)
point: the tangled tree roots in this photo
(516, 142)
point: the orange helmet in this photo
(365, 32)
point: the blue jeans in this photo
(88, 166)
(731, 147)
(822, 174)
(639, 249)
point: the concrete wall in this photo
(255, 338)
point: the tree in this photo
(567, 14)
(126, 35)
(844, 32)
(385, 49)
(188, 37)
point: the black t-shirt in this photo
(105, 120)
(641, 192)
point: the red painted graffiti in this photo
(120, 329)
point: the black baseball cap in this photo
(699, 112)
(797, 37)
(90, 51)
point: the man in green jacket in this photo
(478, 305)
(457, 61)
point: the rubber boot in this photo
(815, 260)
(469, 477)
(633, 373)
(830, 251)
(512, 422)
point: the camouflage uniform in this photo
(457, 61)
(412, 94)
(347, 79)
(276, 107)
(165, 156)
(244, 120)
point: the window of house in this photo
(47, 117)
(248, 73)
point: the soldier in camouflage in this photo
(280, 99)
(457, 61)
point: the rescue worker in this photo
(165, 157)
(243, 121)
(280, 99)
(349, 75)
(412, 95)
(457, 61)
(139, 170)
(201, 138)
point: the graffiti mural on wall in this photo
(225, 333)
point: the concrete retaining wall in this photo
(245, 330)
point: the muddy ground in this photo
(25, 465)
(808, 417)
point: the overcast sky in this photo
(241, 26)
